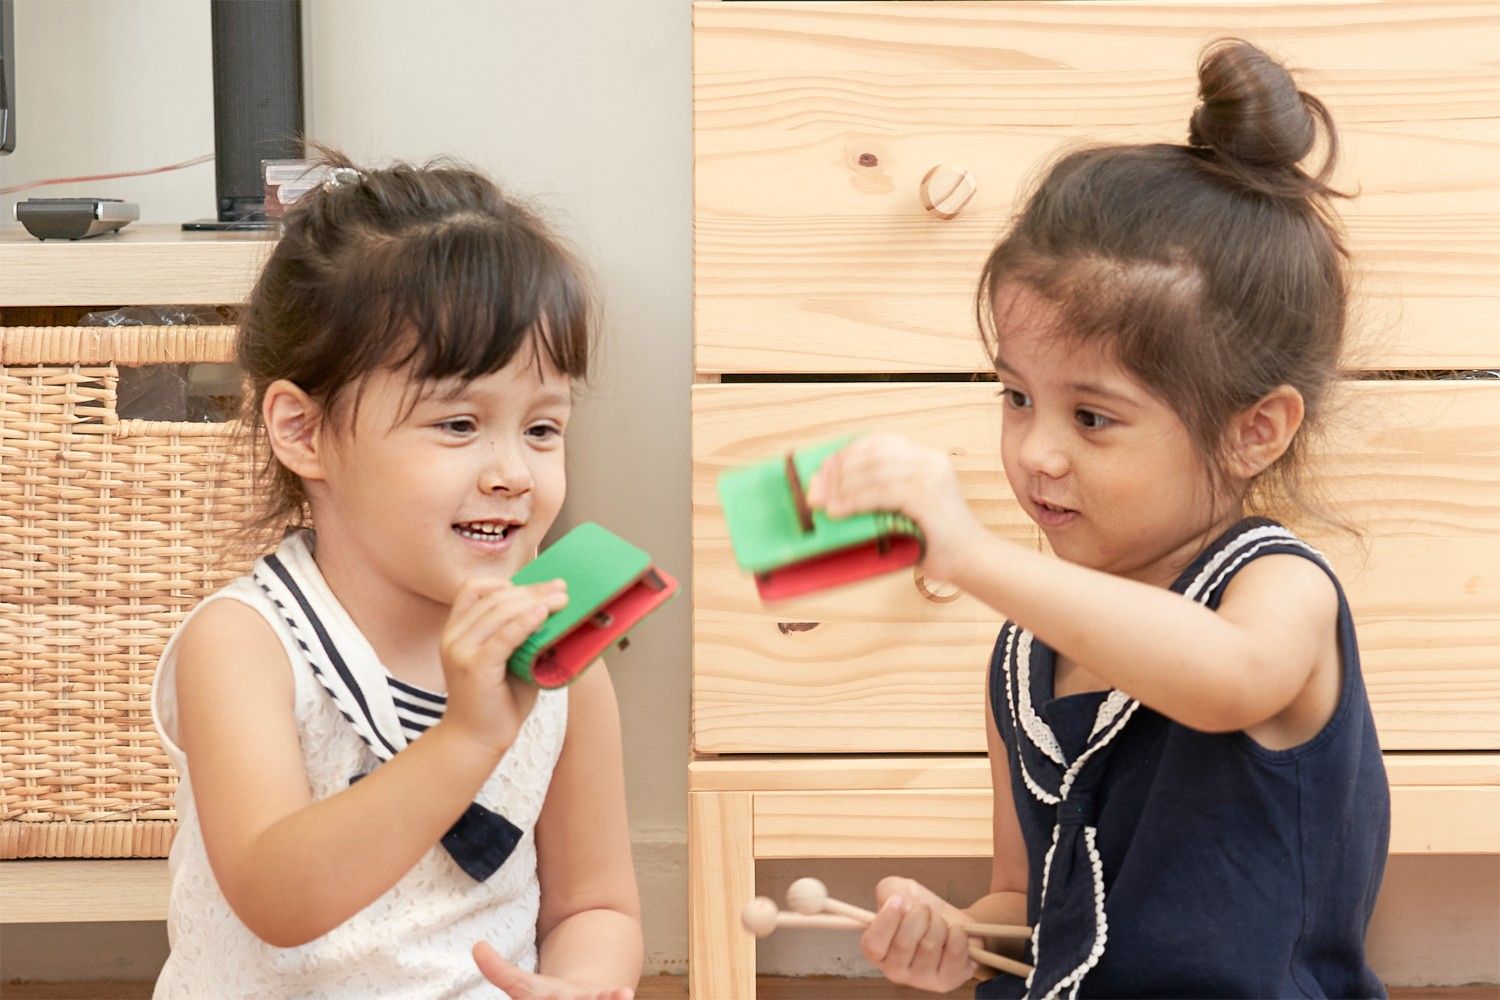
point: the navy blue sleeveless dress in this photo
(1166, 862)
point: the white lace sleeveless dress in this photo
(413, 941)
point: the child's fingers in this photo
(515, 982)
(491, 639)
(512, 621)
(509, 634)
(955, 961)
(875, 943)
(473, 590)
(927, 955)
(819, 485)
(867, 479)
(897, 885)
(872, 489)
(914, 927)
(485, 613)
(465, 609)
(909, 889)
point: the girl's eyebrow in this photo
(462, 392)
(1086, 388)
(1094, 389)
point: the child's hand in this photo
(910, 941)
(522, 985)
(889, 472)
(490, 618)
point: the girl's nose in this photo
(505, 473)
(1042, 454)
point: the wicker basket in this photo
(110, 531)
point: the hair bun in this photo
(1253, 117)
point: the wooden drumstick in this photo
(761, 916)
(996, 930)
(808, 896)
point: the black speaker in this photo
(257, 54)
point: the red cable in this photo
(106, 177)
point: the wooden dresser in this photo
(851, 724)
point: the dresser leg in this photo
(721, 880)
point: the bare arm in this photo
(1214, 671)
(291, 868)
(1006, 902)
(589, 928)
(914, 938)
(1009, 868)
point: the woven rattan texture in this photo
(110, 531)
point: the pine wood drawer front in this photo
(941, 807)
(877, 668)
(871, 667)
(814, 125)
(1416, 467)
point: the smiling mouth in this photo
(485, 531)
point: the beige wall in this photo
(111, 86)
(585, 105)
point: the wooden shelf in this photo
(1441, 803)
(75, 891)
(140, 265)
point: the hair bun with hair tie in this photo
(1255, 120)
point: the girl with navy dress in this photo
(1189, 793)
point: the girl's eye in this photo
(459, 425)
(544, 432)
(1090, 420)
(1017, 399)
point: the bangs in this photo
(1137, 312)
(458, 299)
(1146, 316)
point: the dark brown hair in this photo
(1213, 272)
(427, 268)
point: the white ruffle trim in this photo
(1101, 927)
(1040, 733)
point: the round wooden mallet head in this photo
(806, 895)
(759, 916)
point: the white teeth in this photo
(485, 530)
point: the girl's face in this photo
(1105, 468)
(463, 484)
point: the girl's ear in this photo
(293, 420)
(1262, 432)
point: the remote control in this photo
(74, 218)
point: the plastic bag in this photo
(190, 393)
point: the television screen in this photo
(7, 75)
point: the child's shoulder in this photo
(228, 627)
(1287, 589)
(1265, 564)
(1250, 552)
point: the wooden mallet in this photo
(808, 898)
(761, 916)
